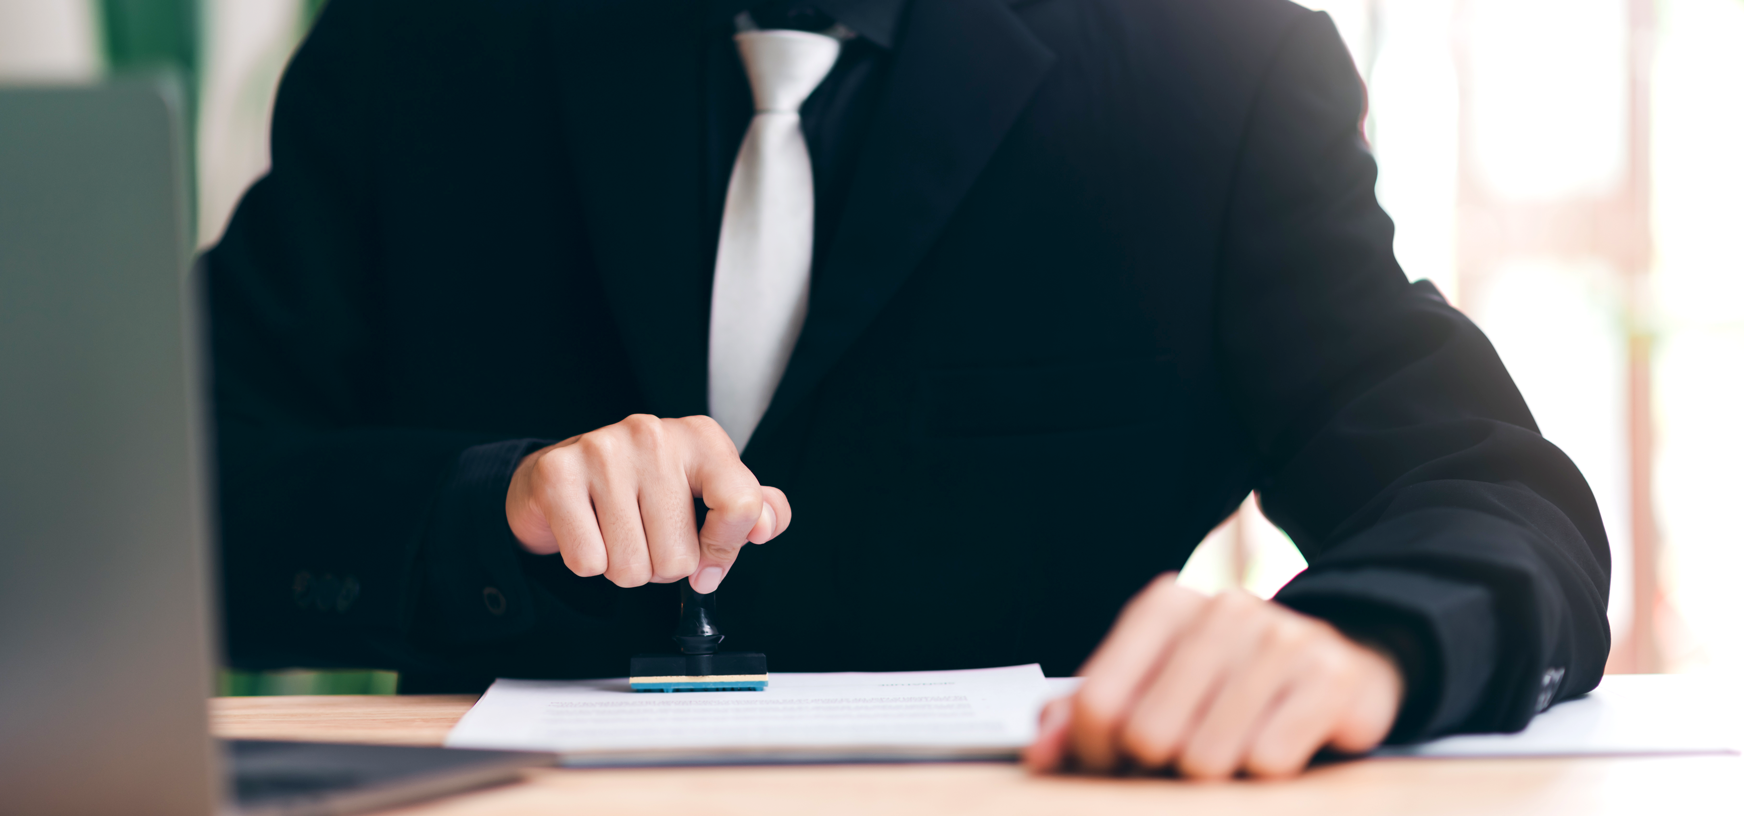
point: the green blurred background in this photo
(251, 684)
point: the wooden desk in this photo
(1673, 786)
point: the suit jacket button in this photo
(326, 593)
(348, 590)
(494, 601)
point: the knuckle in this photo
(1291, 635)
(709, 436)
(1203, 767)
(1265, 763)
(1094, 709)
(1157, 594)
(680, 563)
(1185, 603)
(601, 445)
(1145, 745)
(1201, 759)
(1270, 761)
(643, 427)
(1192, 598)
(554, 465)
(714, 439)
(1164, 600)
(703, 423)
(641, 421)
(580, 565)
(1191, 767)
(1335, 664)
(743, 507)
(720, 552)
(627, 577)
(1234, 601)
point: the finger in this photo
(669, 521)
(1225, 632)
(1377, 694)
(732, 495)
(529, 524)
(1048, 752)
(1238, 707)
(521, 507)
(776, 498)
(774, 519)
(613, 485)
(1123, 665)
(668, 512)
(576, 530)
(1297, 726)
(558, 493)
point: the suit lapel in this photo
(630, 78)
(963, 70)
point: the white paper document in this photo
(990, 714)
(1628, 714)
(945, 715)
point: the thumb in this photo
(739, 509)
(733, 510)
(777, 514)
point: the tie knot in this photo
(785, 66)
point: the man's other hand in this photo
(1213, 686)
(618, 502)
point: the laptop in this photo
(106, 595)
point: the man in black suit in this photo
(1083, 274)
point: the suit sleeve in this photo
(334, 521)
(1397, 453)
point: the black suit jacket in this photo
(1106, 266)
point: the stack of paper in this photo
(847, 717)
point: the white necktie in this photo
(763, 263)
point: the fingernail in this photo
(709, 580)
